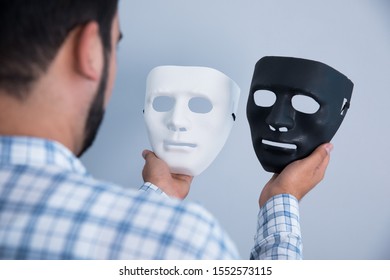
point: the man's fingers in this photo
(183, 178)
(157, 172)
(328, 147)
(320, 159)
(320, 154)
(146, 153)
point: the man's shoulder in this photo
(128, 199)
(117, 222)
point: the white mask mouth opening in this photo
(178, 145)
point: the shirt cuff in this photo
(278, 231)
(150, 188)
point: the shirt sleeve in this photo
(278, 231)
(149, 187)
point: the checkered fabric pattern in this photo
(51, 208)
(279, 235)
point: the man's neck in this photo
(23, 117)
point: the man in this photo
(56, 76)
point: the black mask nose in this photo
(281, 117)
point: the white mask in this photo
(189, 112)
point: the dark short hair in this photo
(32, 32)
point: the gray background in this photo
(347, 216)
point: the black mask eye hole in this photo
(264, 98)
(200, 105)
(163, 103)
(305, 104)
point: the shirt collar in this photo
(37, 152)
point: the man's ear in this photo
(89, 52)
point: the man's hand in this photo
(300, 176)
(157, 172)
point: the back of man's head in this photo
(33, 31)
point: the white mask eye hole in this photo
(264, 98)
(200, 105)
(163, 103)
(305, 104)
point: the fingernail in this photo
(144, 152)
(329, 148)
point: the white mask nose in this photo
(176, 128)
(178, 122)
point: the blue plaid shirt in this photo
(51, 208)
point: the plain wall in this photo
(347, 216)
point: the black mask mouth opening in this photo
(279, 146)
(282, 130)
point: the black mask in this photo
(283, 127)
